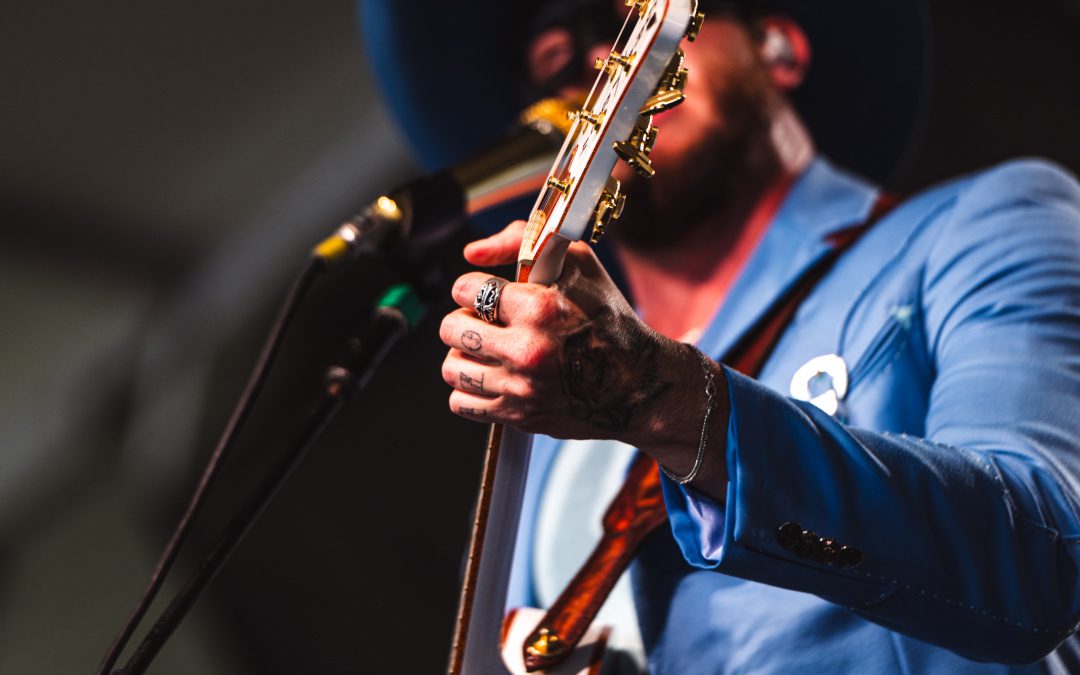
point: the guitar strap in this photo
(638, 508)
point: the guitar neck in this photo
(478, 633)
(481, 607)
(643, 75)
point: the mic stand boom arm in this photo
(398, 311)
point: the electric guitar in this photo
(642, 76)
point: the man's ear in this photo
(785, 49)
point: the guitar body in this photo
(642, 76)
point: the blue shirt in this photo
(953, 463)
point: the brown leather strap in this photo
(638, 509)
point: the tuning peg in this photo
(670, 93)
(642, 6)
(671, 90)
(608, 209)
(695, 26)
(638, 160)
(591, 118)
(613, 62)
(562, 186)
(635, 150)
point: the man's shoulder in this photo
(1020, 199)
(1020, 214)
(1018, 181)
(1023, 213)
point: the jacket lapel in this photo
(822, 201)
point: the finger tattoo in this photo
(472, 412)
(472, 384)
(471, 340)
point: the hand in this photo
(572, 360)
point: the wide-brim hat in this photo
(449, 73)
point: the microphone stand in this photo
(398, 311)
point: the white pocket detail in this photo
(822, 381)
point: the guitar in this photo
(642, 76)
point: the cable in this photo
(397, 313)
(231, 537)
(315, 267)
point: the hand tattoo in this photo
(608, 375)
(471, 340)
(473, 412)
(472, 384)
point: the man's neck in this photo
(677, 290)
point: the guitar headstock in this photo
(643, 75)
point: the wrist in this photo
(709, 372)
(685, 429)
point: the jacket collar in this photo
(822, 201)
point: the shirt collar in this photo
(822, 201)
(825, 199)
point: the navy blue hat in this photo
(450, 74)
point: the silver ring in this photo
(487, 299)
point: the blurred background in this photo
(164, 168)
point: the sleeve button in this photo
(788, 535)
(806, 545)
(849, 557)
(828, 550)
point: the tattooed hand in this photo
(571, 360)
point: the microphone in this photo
(427, 211)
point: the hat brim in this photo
(448, 74)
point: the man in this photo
(945, 449)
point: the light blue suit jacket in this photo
(953, 463)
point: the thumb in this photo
(498, 249)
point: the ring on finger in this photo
(487, 299)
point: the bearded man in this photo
(919, 414)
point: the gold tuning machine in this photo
(562, 186)
(635, 150)
(613, 62)
(672, 88)
(642, 6)
(592, 119)
(609, 208)
(695, 26)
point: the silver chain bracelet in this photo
(710, 403)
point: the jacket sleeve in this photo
(968, 538)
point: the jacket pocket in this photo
(882, 350)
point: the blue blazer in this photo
(952, 465)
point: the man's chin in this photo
(659, 212)
(703, 179)
(707, 189)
